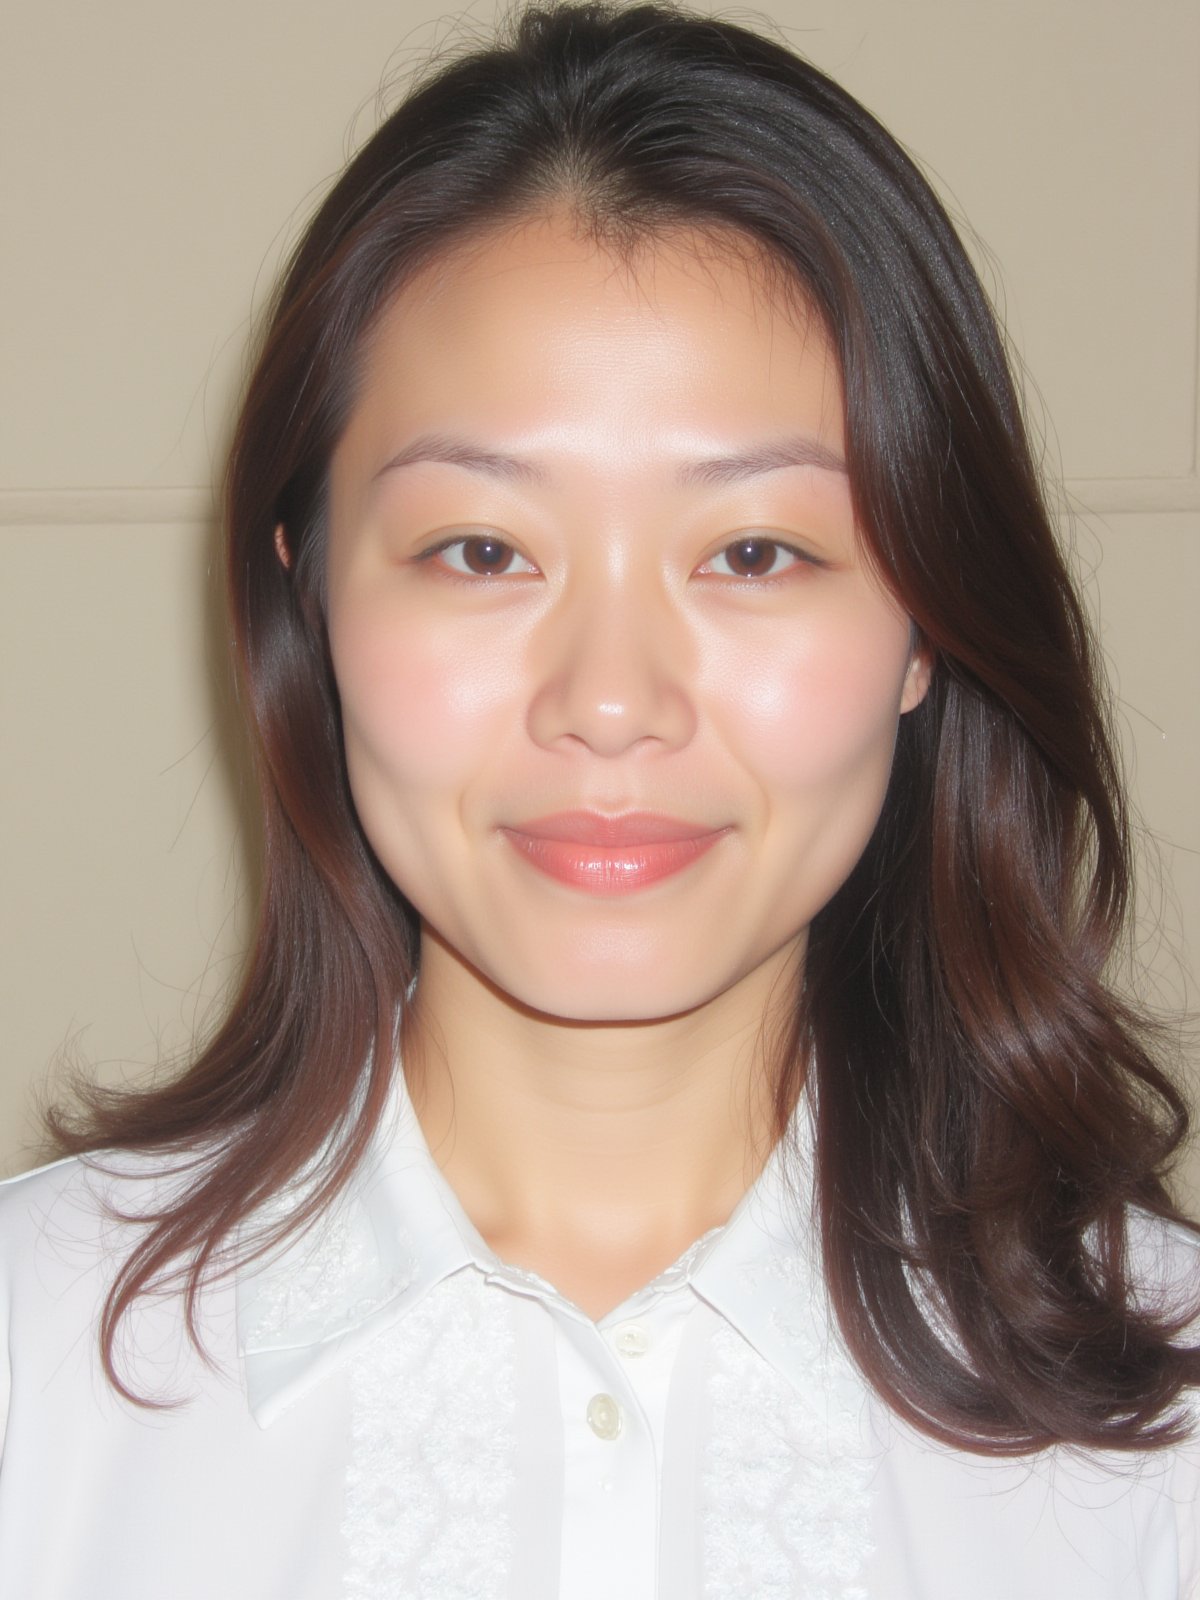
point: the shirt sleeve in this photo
(1185, 1475)
(5, 1391)
(5, 1349)
(1185, 1493)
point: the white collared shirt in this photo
(394, 1413)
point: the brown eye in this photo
(481, 555)
(486, 556)
(753, 557)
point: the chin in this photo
(639, 995)
(610, 1009)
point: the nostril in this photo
(565, 711)
(610, 675)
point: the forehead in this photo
(727, 263)
(537, 338)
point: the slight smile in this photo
(611, 855)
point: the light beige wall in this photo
(155, 162)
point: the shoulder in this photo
(76, 1209)
(39, 1210)
(1163, 1261)
(66, 1229)
(58, 1253)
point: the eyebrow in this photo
(800, 451)
(462, 453)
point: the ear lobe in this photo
(917, 679)
(281, 549)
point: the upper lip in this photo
(594, 828)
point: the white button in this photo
(604, 1416)
(631, 1339)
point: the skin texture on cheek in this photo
(429, 700)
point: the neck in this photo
(617, 1143)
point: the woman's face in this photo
(592, 556)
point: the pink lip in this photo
(611, 855)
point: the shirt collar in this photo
(396, 1232)
(399, 1230)
(765, 1278)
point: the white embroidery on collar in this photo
(785, 1511)
(785, 1492)
(328, 1280)
(683, 1270)
(431, 1467)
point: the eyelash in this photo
(778, 545)
(472, 538)
(801, 558)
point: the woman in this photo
(674, 1137)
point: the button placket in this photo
(610, 1531)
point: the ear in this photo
(281, 549)
(917, 679)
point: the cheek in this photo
(820, 706)
(418, 708)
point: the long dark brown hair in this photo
(987, 1111)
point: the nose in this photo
(614, 672)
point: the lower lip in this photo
(605, 870)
